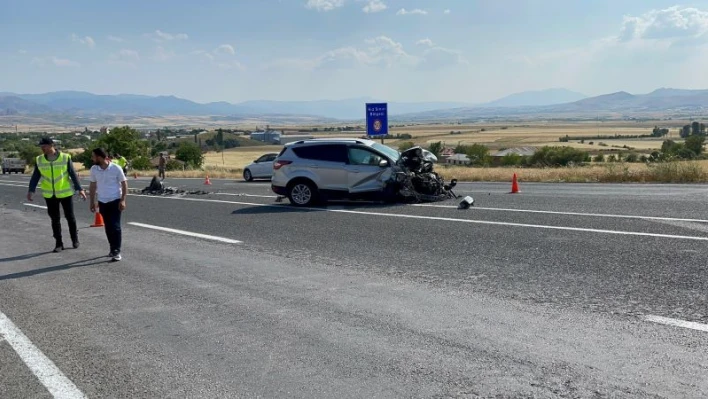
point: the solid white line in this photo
(41, 366)
(247, 195)
(35, 206)
(605, 215)
(186, 233)
(537, 226)
(677, 323)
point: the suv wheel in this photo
(302, 193)
(247, 175)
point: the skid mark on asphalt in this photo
(186, 233)
(677, 323)
(41, 366)
(470, 221)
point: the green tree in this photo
(685, 131)
(436, 148)
(190, 153)
(478, 154)
(659, 132)
(220, 136)
(29, 153)
(695, 128)
(695, 143)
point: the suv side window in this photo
(323, 152)
(361, 156)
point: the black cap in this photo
(46, 141)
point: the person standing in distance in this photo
(56, 171)
(161, 166)
(109, 183)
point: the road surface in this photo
(558, 291)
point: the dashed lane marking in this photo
(677, 323)
(186, 233)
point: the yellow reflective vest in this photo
(55, 176)
(121, 162)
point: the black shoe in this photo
(58, 248)
(75, 244)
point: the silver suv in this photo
(308, 171)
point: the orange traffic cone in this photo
(98, 220)
(207, 182)
(514, 185)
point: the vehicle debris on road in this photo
(156, 187)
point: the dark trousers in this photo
(53, 205)
(111, 219)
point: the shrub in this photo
(632, 157)
(558, 156)
(141, 163)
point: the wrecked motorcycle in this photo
(416, 181)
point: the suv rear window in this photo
(323, 152)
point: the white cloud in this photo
(56, 61)
(382, 51)
(126, 54)
(447, 11)
(418, 11)
(160, 36)
(87, 40)
(124, 57)
(439, 57)
(225, 49)
(22, 51)
(228, 65)
(674, 23)
(374, 6)
(163, 55)
(115, 39)
(424, 42)
(324, 5)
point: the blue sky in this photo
(394, 50)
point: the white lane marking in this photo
(394, 215)
(605, 215)
(677, 322)
(248, 195)
(186, 233)
(35, 206)
(41, 366)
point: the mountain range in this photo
(555, 101)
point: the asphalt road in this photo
(559, 291)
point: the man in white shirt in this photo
(109, 182)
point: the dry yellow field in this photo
(237, 157)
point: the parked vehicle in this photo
(261, 168)
(13, 165)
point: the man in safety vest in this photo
(122, 162)
(54, 173)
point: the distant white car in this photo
(261, 168)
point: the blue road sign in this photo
(377, 119)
